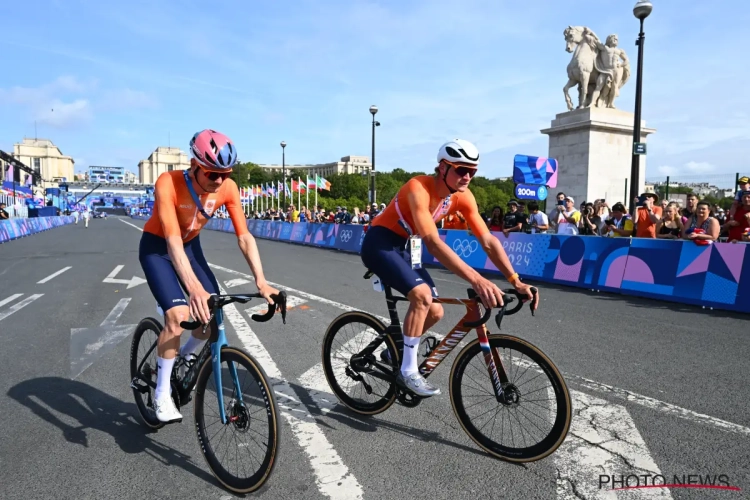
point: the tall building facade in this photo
(50, 165)
(163, 159)
(347, 165)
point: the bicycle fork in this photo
(494, 364)
(216, 347)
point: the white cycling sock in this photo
(409, 363)
(192, 346)
(163, 377)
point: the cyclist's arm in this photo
(245, 240)
(166, 201)
(419, 203)
(491, 245)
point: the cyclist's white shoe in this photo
(417, 384)
(166, 411)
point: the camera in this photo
(609, 222)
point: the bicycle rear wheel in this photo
(524, 403)
(252, 420)
(369, 382)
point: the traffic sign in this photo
(531, 192)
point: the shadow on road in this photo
(96, 410)
(364, 423)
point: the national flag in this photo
(323, 183)
(311, 183)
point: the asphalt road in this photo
(657, 388)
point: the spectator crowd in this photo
(698, 220)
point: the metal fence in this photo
(19, 209)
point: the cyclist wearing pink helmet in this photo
(172, 258)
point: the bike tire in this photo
(563, 417)
(240, 485)
(334, 328)
(147, 414)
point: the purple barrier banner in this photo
(716, 275)
(18, 228)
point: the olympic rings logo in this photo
(465, 248)
(346, 235)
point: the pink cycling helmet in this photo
(213, 150)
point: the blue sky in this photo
(122, 77)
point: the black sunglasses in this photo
(212, 176)
(461, 171)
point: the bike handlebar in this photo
(510, 295)
(219, 301)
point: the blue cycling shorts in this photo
(161, 275)
(385, 254)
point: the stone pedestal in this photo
(594, 148)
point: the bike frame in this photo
(492, 359)
(218, 340)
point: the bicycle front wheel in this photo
(535, 398)
(241, 453)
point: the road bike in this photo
(371, 360)
(249, 410)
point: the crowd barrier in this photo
(17, 228)
(677, 271)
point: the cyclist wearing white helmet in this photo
(392, 249)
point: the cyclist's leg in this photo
(436, 312)
(165, 286)
(384, 254)
(204, 274)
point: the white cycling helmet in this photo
(459, 151)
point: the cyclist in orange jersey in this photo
(172, 259)
(394, 239)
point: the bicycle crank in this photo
(408, 399)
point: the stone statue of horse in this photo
(582, 67)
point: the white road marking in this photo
(133, 282)
(89, 344)
(603, 439)
(19, 305)
(130, 224)
(333, 478)
(54, 275)
(115, 313)
(236, 282)
(10, 299)
(291, 301)
(661, 406)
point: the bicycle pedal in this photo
(139, 386)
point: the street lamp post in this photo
(283, 170)
(641, 11)
(373, 110)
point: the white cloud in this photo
(666, 170)
(66, 115)
(700, 167)
(68, 102)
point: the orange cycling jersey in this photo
(421, 193)
(175, 213)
